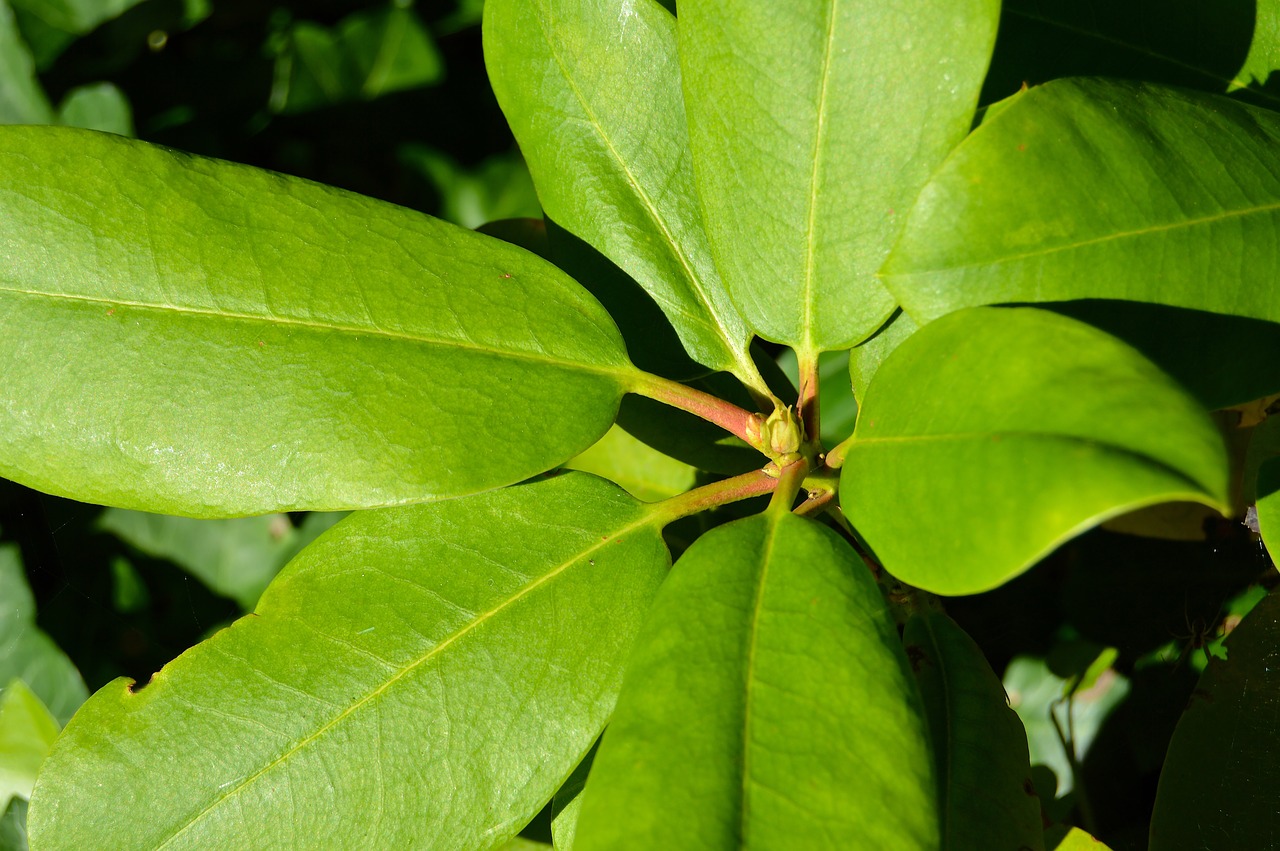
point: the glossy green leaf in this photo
(592, 91)
(993, 435)
(366, 55)
(985, 794)
(27, 731)
(26, 652)
(422, 676)
(235, 558)
(188, 352)
(768, 704)
(22, 100)
(1217, 788)
(100, 106)
(813, 126)
(1101, 189)
(644, 472)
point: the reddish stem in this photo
(727, 415)
(745, 486)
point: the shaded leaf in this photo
(313, 349)
(985, 794)
(456, 659)
(592, 91)
(495, 189)
(100, 106)
(27, 731)
(866, 357)
(13, 826)
(644, 472)
(1268, 508)
(235, 558)
(814, 125)
(367, 55)
(768, 704)
(22, 99)
(26, 653)
(1217, 788)
(1021, 429)
(567, 803)
(1090, 188)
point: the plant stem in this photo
(789, 481)
(745, 486)
(727, 415)
(835, 458)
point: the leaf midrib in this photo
(647, 518)
(1226, 215)
(712, 320)
(998, 436)
(753, 631)
(622, 373)
(811, 222)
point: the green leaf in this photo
(22, 100)
(866, 357)
(1268, 507)
(644, 472)
(367, 55)
(1217, 788)
(592, 91)
(194, 337)
(236, 558)
(814, 125)
(1101, 189)
(423, 676)
(991, 436)
(498, 188)
(100, 106)
(26, 653)
(567, 803)
(986, 796)
(27, 731)
(767, 704)
(13, 826)
(1072, 839)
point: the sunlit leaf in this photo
(421, 676)
(1101, 189)
(991, 436)
(813, 126)
(183, 352)
(768, 704)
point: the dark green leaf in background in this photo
(26, 653)
(22, 100)
(985, 793)
(100, 106)
(592, 91)
(768, 704)
(27, 731)
(185, 353)
(422, 676)
(813, 125)
(993, 435)
(498, 188)
(1218, 785)
(866, 357)
(1101, 189)
(367, 55)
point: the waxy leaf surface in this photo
(190, 336)
(1101, 189)
(768, 704)
(985, 793)
(421, 676)
(813, 126)
(992, 435)
(1217, 787)
(592, 91)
